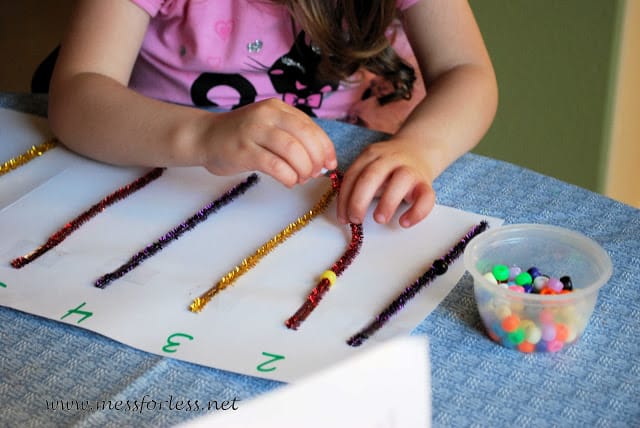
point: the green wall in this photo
(555, 64)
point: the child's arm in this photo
(459, 107)
(94, 113)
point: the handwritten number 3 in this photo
(171, 345)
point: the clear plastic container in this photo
(532, 322)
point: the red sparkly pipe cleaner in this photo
(96, 209)
(438, 267)
(329, 277)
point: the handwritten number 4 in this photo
(77, 311)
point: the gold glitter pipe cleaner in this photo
(27, 156)
(200, 302)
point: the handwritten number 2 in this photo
(263, 367)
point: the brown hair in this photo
(351, 35)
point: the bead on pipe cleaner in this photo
(93, 211)
(198, 304)
(29, 155)
(330, 276)
(318, 292)
(155, 247)
(437, 268)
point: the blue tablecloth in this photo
(475, 382)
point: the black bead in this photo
(566, 282)
(440, 267)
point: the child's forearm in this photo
(454, 116)
(102, 119)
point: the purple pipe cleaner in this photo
(439, 267)
(176, 232)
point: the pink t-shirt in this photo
(230, 53)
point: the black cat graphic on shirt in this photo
(293, 75)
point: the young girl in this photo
(130, 72)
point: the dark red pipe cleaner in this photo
(96, 209)
(318, 292)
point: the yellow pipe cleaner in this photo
(27, 156)
(227, 280)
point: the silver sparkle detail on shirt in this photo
(254, 46)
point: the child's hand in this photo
(271, 137)
(393, 171)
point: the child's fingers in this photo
(361, 193)
(312, 136)
(423, 199)
(276, 167)
(379, 172)
(342, 202)
(349, 182)
(399, 185)
(288, 148)
(268, 115)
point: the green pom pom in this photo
(524, 279)
(500, 272)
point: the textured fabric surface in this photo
(594, 383)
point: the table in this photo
(475, 382)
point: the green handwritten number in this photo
(77, 311)
(3, 285)
(171, 345)
(274, 357)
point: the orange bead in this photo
(547, 291)
(562, 332)
(526, 347)
(493, 336)
(510, 323)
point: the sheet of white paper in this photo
(18, 132)
(368, 390)
(242, 329)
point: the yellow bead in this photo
(330, 275)
(502, 311)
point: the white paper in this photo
(388, 386)
(18, 132)
(242, 329)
